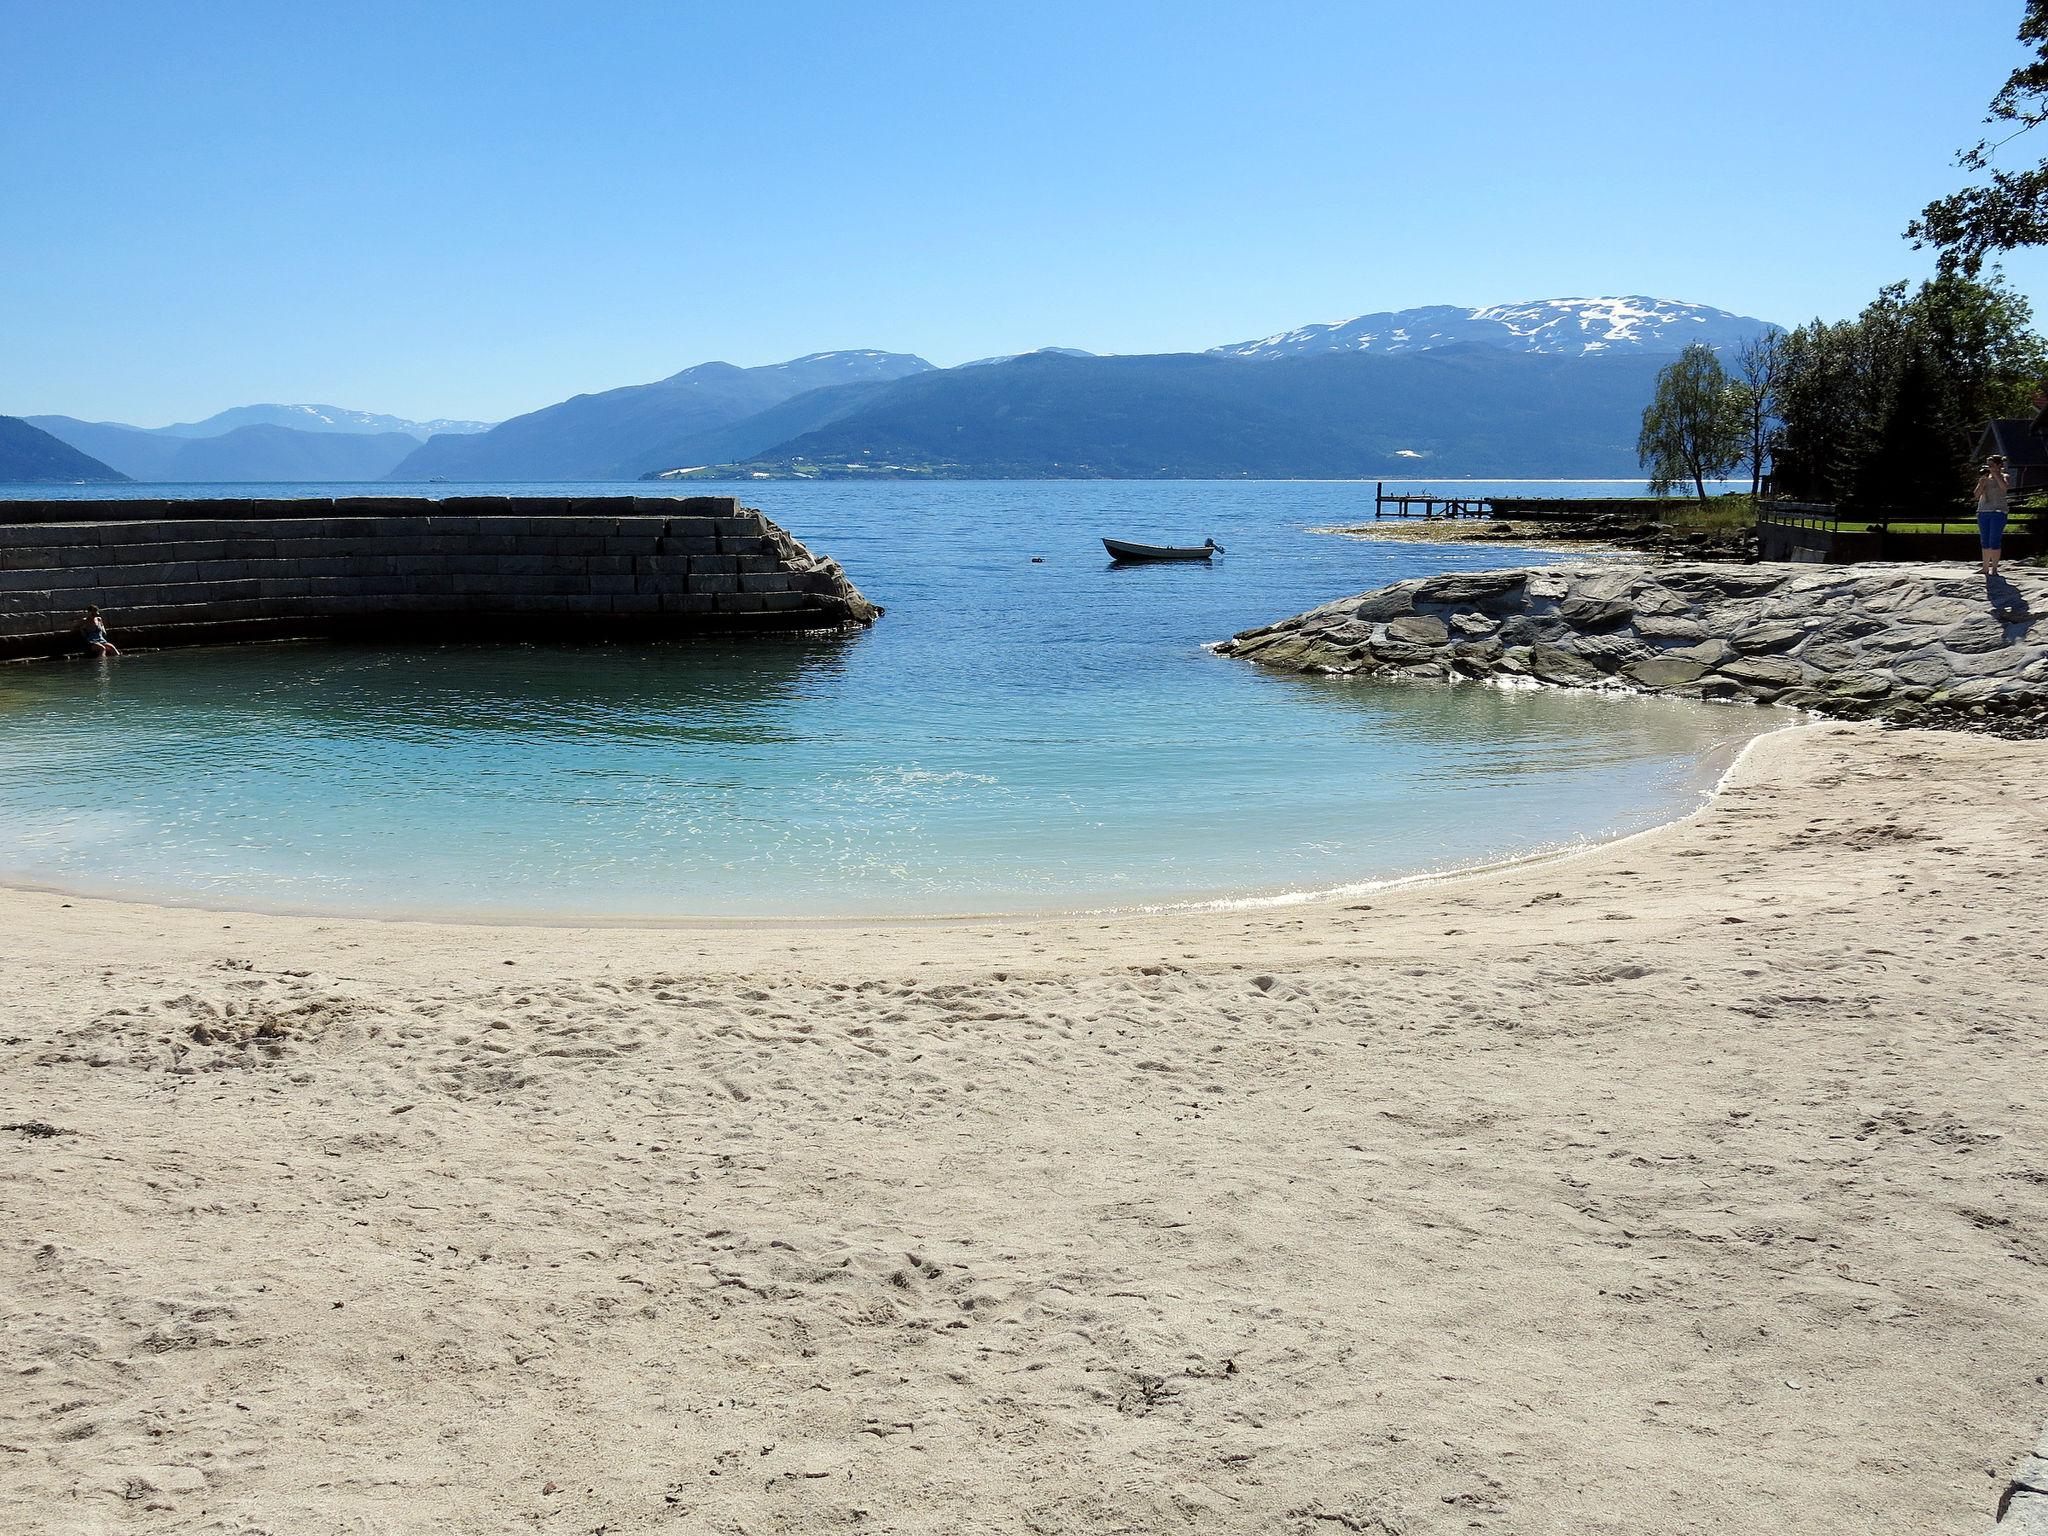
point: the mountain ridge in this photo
(1579, 326)
(855, 408)
(1465, 410)
(254, 452)
(31, 456)
(622, 433)
(313, 418)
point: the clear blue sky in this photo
(450, 209)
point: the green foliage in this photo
(1881, 412)
(2010, 209)
(1759, 371)
(1694, 426)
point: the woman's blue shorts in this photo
(1990, 528)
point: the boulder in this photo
(1277, 650)
(1592, 613)
(1530, 629)
(1925, 671)
(1805, 698)
(1762, 671)
(1979, 633)
(1565, 668)
(1654, 601)
(1712, 652)
(1390, 603)
(1771, 635)
(1399, 653)
(1942, 610)
(1477, 657)
(1609, 652)
(1474, 589)
(1418, 629)
(1474, 624)
(1658, 626)
(1860, 685)
(1661, 672)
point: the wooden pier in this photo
(1400, 505)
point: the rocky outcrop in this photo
(175, 572)
(1922, 643)
(2023, 1507)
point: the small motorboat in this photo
(1124, 549)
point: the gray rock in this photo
(1418, 629)
(1276, 650)
(1726, 580)
(1924, 671)
(1762, 671)
(1847, 626)
(1660, 626)
(1610, 652)
(1476, 589)
(1942, 610)
(1861, 685)
(1530, 629)
(1856, 642)
(1348, 631)
(1377, 607)
(1831, 658)
(1556, 665)
(1399, 653)
(1595, 613)
(1711, 652)
(1805, 698)
(1653, 601)
(1772, 635)
(1982, 633)
(1605, 584)
(1662, 672)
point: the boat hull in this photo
(1120, 549)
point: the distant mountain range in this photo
(684, 419)
(1463, 410)
(255, 452)
(1550, 387)
(316, 418)
(255, 442)
(31, 456)
(1572, 327)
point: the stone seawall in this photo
(190, 572)
(1931, 644)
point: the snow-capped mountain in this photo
(313, 418)
(1572, 326)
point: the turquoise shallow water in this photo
(1010, 737)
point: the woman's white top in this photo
(1991, 494)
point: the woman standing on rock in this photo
(1993, 504)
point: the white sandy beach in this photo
(1695, 1184)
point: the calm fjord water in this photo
(1010, 737)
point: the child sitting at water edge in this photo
(94, 629)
